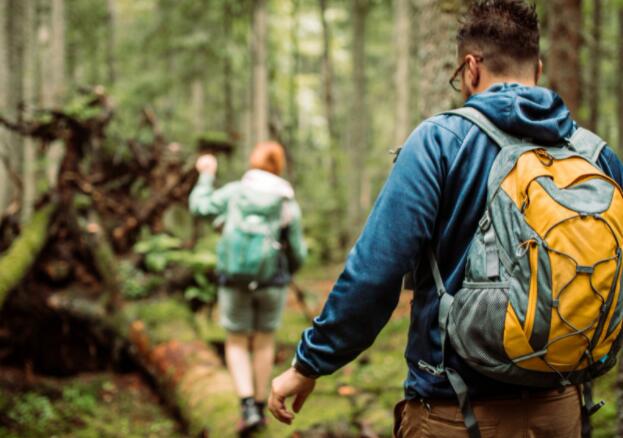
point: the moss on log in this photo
(162, 339)
(23, 252)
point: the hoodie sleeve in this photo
(395, 236)
(205, 201)
(610, 163)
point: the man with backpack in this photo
(508, 218)
(260, 247)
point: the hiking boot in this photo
(261, 407)
(251, 417)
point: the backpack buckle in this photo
(485, 221)
(430, 369)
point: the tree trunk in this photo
(52, 67)
(437, 24)
(358, 144)
(260, 130)
(5, 189)
(565, 36)
(57, 61)
(230, 120)
(327, 78)
(16, 24)
(402, 40)
(595, 67)
(31, 86)
(197, 98)
(335, 158)
(293, 90)
(111, 18)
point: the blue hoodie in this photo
(435, 196)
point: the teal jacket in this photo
(266, 188)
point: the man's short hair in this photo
(504, 32)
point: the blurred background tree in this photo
(340, 83)
(315, 75)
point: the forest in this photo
(108, 320)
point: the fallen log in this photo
(23, 252)
(161, 338)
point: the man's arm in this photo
(400, 226)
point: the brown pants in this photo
(546, 414)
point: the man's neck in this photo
(486, 83)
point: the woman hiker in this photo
(260, 247)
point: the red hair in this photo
(269, 156)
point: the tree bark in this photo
(260, 131)
(5, 189)
(111, 18)
(402, 40)
(16, 23)
(53, 73)
(197, 98)
(31, 87)
(358, 143)
(565, 36)
(437, 25)
(230, 120)
(57, 61)
(293, 91)
(595, 66)
(327, 79)
(335, 159)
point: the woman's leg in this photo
(236, 309)
(263, 359)
(238, 361)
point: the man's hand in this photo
(291, 383)
(207, 163)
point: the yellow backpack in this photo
(541, 304)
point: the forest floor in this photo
(360, 397)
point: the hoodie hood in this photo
(267, 183)
(533, 113)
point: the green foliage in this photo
(35, 412)
(199, 261)
(162, 252)
(79, 400)
(80, 107)
(136, 283)
(205, 291)
(90, 407)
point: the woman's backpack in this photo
(249, 250)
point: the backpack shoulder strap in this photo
(587, 144)
(501, 138)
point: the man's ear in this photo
(472, 71)
(539, 72)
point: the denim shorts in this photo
(246, 311)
